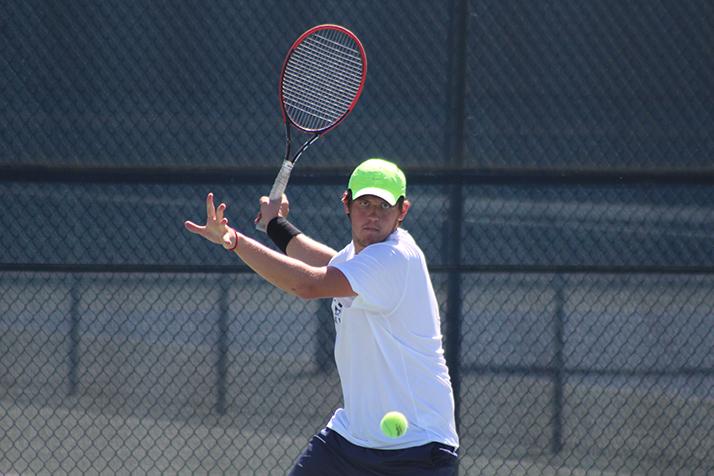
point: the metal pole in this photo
(73, 351)
(559, 365)
(455, 157)
(324, 342)
(222, 348)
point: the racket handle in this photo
(279, 186)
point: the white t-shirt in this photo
(388, 347)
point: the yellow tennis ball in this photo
(394, 424)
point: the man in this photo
(388, 342)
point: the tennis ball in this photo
(394, 424)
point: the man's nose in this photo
(373, 210)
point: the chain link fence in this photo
(561, 175)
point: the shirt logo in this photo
(337, 311)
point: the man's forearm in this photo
(309, 251)
(288, 273)
(294, 243)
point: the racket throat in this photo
(288, 143)
(304, 147)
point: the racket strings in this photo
(346, 49)
(320, 49)
(324, 69)
(310, 100)
(298, 87)
(324, 91)
(322, 78)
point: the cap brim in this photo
(377, 192)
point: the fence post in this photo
(454, 148)
(324, 341)
(558, 365)
(454, 306)
(74, 323)
(222, 346)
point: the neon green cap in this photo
(378, 177)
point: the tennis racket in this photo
(320, 82)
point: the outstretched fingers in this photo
(193, 228)
(215, 214)
(216, 224)
(210, 208)
(219, 214)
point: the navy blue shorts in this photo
(329, 454)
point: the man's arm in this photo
(288, 273)
(309, 251)
(285, 272)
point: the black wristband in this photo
(281, 231)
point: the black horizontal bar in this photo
(573, 269)
(237, 269)
(338, 175)
(122, 268)
(676, 372)
(511, 370)
(541, 371)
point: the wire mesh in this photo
(577, 313)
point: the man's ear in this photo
(405, 208)
(344, 203)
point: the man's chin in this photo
(369, 238)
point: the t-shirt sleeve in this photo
(378, 275)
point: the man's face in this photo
(373, 220)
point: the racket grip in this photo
(279, 186)
(281, 181)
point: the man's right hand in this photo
(270, 209)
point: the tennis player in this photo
(388, 344)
